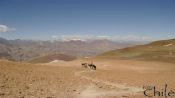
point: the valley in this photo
(118, 75)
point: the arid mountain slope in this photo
(52, 57)
(163, 50)
(26, 50)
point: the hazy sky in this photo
(116, 19)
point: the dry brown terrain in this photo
(161, 51)
(35, 50)
(112, 79)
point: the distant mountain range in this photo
(27, 50)
(163, 50)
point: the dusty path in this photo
(118, 78)
(114, 89)
(69, 80)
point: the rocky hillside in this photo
(52, 57)
(163, 50)
(26, 50)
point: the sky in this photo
(83, 19)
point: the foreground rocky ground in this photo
(112, 79)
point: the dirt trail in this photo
(92, 91)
